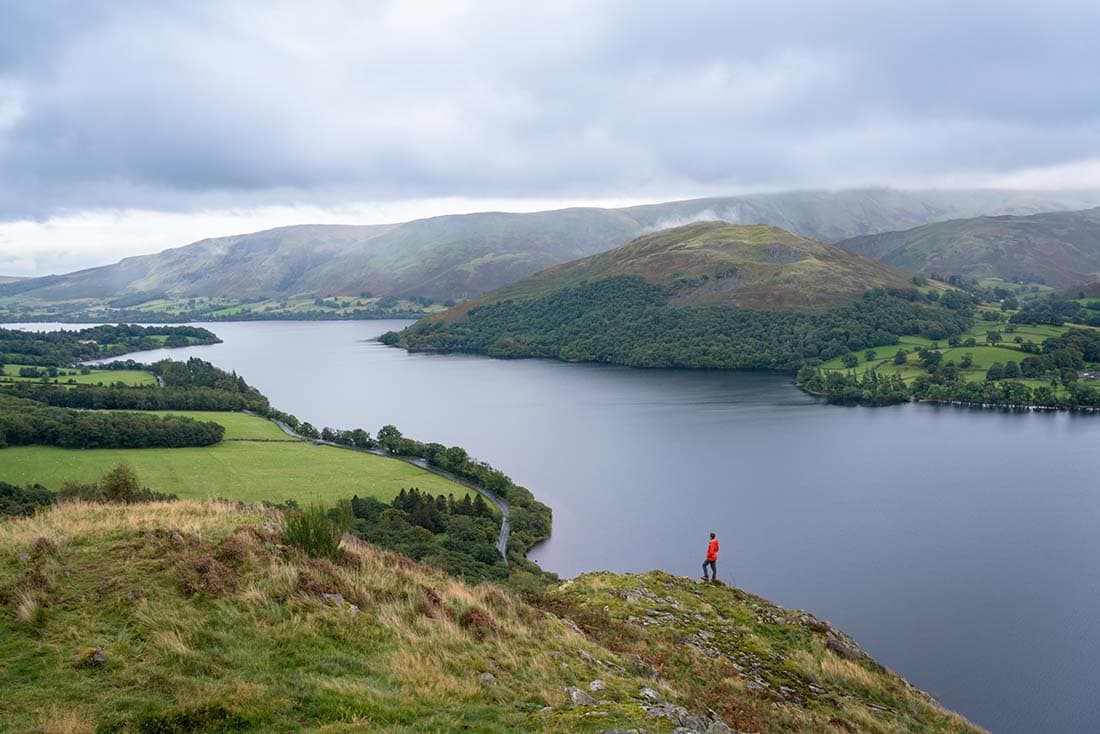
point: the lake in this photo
(958, 546)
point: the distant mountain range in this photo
(9, 279)
(1061, 249)
(463, 256)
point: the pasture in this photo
(255, 463)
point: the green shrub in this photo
(117, 486)
(317, 533)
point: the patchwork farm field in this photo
(255, 463)
(131, 378)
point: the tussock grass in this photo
(209, 621)
(266, 653)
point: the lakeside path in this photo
(505, 526)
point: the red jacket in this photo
(712, 550)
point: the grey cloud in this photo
(177, 106)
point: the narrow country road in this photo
(505, 526)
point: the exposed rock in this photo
(488, 679)
(94, 658)
(641, 667)
(176, 537)
(336, 599)
(650, 695)
(24, 557)
(579, 697)
(677, 715)
(596, 686)
(571, 625)
(842, 649)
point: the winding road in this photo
(505, 526)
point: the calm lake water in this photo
(958, 546)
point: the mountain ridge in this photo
(452, 257)
(1061, 249)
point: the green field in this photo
(133, 378)
(238, 426)
(242, 468)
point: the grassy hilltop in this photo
(757, 266)
(190, 617)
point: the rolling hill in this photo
(463, 256)
(1061, 249)
(712, 294)
(756, 266)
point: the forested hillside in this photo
(710, 295)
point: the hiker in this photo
(712, 559)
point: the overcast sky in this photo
(128, 127)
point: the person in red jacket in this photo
(712, 559)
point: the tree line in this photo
(25, 422)
(455, 535)
(66, 348)
(625, 320)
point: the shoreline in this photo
(505, 526)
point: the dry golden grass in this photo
(269, 651)
(29, 610)
(846, 673)
(67, 722)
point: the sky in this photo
(128, 127)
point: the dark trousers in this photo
(713, 569)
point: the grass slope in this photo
(1061, 249)
(255, 463)
(757, 266)
(192, 617)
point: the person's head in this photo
(712, 536)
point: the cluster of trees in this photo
(1056, 312)
(431, 512)
(24, 422)
(625, 320)
(23, 501)
(196, 372)
(871, 388)
(457, 536)
(65, 348)
(191, 385)
(530, 519)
